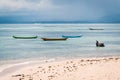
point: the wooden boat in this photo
(54, 39)
(32, 37)
(95, 29)
(71, 36)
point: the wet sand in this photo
(103, 68)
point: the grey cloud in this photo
(64, 9)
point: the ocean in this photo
(85, 46)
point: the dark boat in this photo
(32, 37)
(71, 36)
(98, 44)
(54, 39)
(95, 29)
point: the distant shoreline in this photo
(47, 22)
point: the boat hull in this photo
(95, 29)
(71, 36)
(54, 39)
(34, 37)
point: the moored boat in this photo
(65, 36)
(25, 37)
(54, 39)
(95, 29)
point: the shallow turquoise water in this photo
(15, 49)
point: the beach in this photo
(97, 68)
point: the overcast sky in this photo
(60, 10)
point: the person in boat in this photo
(99, 44)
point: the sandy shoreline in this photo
(102, 68)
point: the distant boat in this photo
(95, 29)
(54, 39)
(65, 36)
(32, 37)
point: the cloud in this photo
(14, 5)
(61, 10)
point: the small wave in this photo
(15, 66)
(50, 60)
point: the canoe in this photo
(95, 29)
(64, 36)
(32, 37)
(54, 39)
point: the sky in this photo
(12, 11)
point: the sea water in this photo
(85, 46)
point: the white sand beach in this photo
(102, 68)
